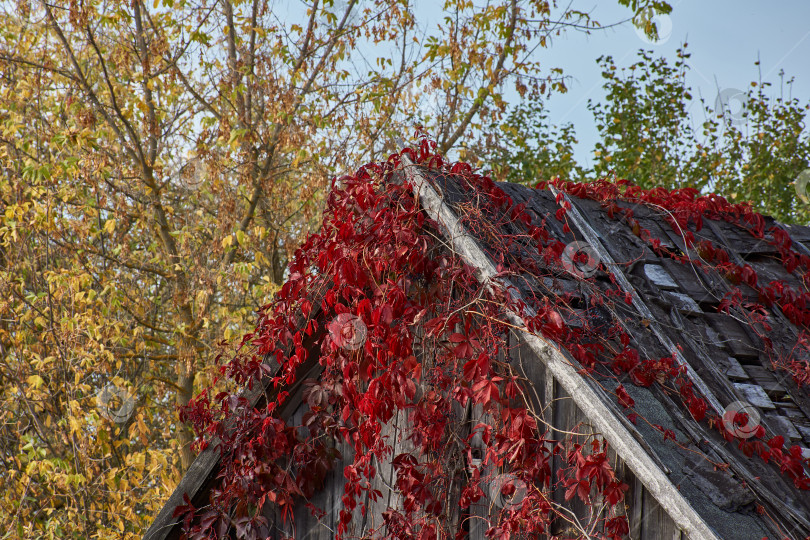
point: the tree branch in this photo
(484, 92)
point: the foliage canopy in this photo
(753, 149)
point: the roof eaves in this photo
(202, 472)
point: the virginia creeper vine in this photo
(433, 350)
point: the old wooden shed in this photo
(673, 273)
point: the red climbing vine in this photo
(379, 323)
(685, 210)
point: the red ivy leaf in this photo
(697, 407)
(624, 398)
(614, 492)
(487, 390)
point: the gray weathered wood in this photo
(655, 523)
(592, 238)
(571, 419)
(562, 367)
(481, 512)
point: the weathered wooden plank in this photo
(770, 268)
(454, 514)
(568, 418)
(743, 242)
(395, 432)
(693, 281)
(322, 523)
(655, 522)
(482, 513)
(734, 338)
(798, 233)
(659, 276)
(198, 474)
(732, 368)
(683, 303)
(767, 380)
(755, 395)
(635, 496)
(533, 370)
(486, 512)
(783, 426)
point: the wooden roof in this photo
(673, 308)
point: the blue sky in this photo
(725, 38)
